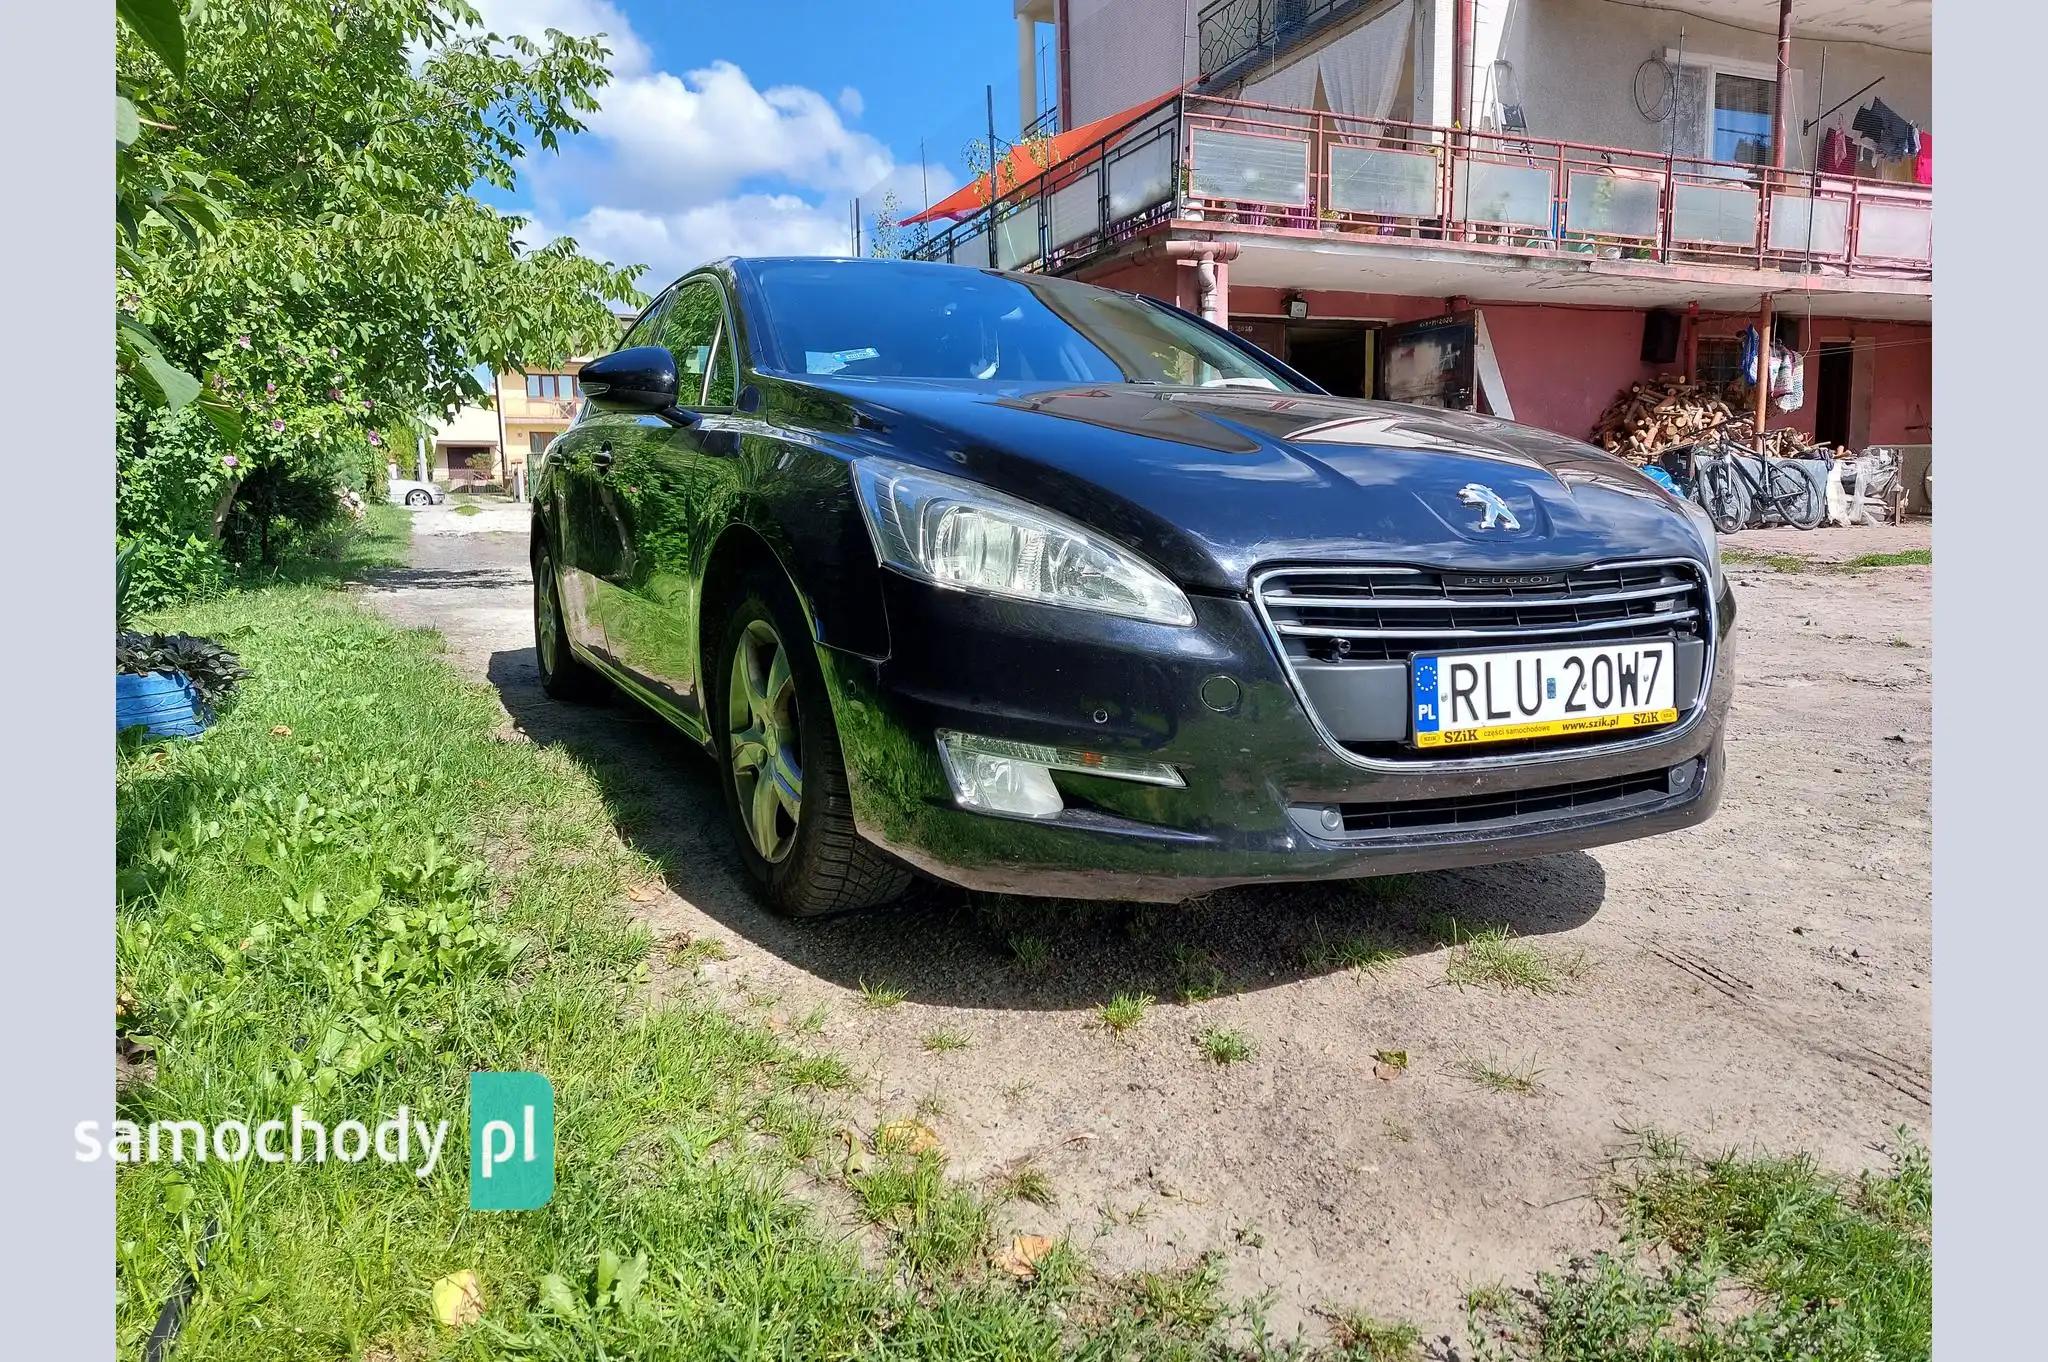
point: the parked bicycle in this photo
(1723, 481)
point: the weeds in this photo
(1500, 1075)
(1124, 1011)
(1366, 1339)
(1032, 953)
(1495, 956)
(1347, 952)
(945, 1040)
(1224, 1047)
(880, 997)
(1026, 1182)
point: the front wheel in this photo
(1796, 497)
(562, 674)
(783, 773)
(1721, 493)
(417, 498)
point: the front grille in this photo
(1473, 812)
(1326, 618)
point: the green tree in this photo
(342, 278)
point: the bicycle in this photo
(1735, 497)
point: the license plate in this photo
(1463, 698)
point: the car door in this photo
(677, 481)
(594, 548)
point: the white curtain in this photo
(1291, 87)
(1362, 69)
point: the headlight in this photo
(971, 538)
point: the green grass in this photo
(1221, 1046)
(1500, 1075)
(1124, 1011)
(945, 1040)
(1027, 1182)
(1495, 957)
(348, 918)
(880, 997)
(1031, 952)
(1197, 978)
(1821, 1267)
(1902, 558)
(469, 508)
(1347, 952)
(1366, 1339)
(1777, 562)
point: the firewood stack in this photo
(1658, 413)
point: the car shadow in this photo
(953, 947)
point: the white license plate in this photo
(1462, 698)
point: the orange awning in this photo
(1026, 164)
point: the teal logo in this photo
(511, 1141)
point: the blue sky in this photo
(734, 128)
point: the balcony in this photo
(1230, 34)
(1210, 164)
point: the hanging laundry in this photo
(1788, 379)
(1749, 355)
(1892, 134)
(1837, 154)
(1923, 164)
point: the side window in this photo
(722, 390)
(649, 326)
(690, 330)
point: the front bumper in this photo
(1262, 782)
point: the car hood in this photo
(1213, 483)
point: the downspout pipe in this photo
(1207, 255)
(1461, 63)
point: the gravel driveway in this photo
(1761, 981)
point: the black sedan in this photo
(1041, 588)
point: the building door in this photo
(1833, 384)
(1337, 356)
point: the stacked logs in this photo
(1658, 413)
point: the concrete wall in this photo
(1576, 60)
(1125, 51)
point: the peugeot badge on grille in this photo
(1497, 512)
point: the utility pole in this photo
(989, 94)
(1781, 107)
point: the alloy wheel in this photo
(547, 638)
(767, 747)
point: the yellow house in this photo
(496, 444)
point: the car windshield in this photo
(857, 320)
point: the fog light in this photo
(1679, 779)
(1000, 776)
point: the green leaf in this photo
(161, 26)
(176, 387)
(127, 123)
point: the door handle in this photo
(603, 457)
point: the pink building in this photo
(1515, 205)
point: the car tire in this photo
(563, 675)
(811, 862)
(417, 498)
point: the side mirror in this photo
(642, 379)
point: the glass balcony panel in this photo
(1074, 208)
(1248, 168)
(971, 249)
(1612, 205)
(1895, 231)
(1790, 218)
(1140, 177)
(1724, 216)
(1398, 184)
(1017, 238)
(1487, 191)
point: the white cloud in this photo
(679, 169)
(581, 18)
(745, 224)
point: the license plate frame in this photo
(1428, 731)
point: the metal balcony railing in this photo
(1229, 33)
(1261, 168)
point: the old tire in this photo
(780, 765)
(562, 674)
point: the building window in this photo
(552, 387)
(537, 441)
(1742, 119)
(1720, 360)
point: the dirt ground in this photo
(1761, 981)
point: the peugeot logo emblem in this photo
(1497, 512)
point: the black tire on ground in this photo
(562, 674)
(821, 866)
(1798, 500)
(417, 498)
(1724, 497)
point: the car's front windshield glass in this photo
(856, 320)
